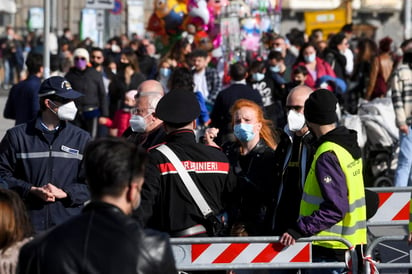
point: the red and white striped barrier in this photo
(241, 253)
(393, 208)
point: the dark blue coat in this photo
(28, 158)
(23, 102)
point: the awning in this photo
(8, 6)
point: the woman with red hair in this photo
(252, 157)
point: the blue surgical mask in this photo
(275, 69)
(165, 72)
(244, 132)
(258, 76)
(310, 58)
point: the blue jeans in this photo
(403, 175)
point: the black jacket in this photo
(257, 185)
(166, 204)
(90, 83)
(100, 240)
(337, 61)
(118, 89)
(145, 139)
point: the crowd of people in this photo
(121, 139)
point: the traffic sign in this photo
(118, 7)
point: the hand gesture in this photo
(42, 193)
(210, 135)
(57, 192)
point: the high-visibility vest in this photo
(353, 225)
(410, 216)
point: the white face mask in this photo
(138, 123)
(67, 111)
(296, 120)
(278, 49)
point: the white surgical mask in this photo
(258, 76)
(296, 120)
(138, 123)
(67, 111)
(310, 58)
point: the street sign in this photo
(117, 8)
(100, 4)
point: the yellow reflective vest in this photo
(353, 225)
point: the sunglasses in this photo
(296, 108)
(79, 58)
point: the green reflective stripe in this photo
(46, 154)
(345, 230)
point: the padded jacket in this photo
(29, 158)
(100, 240)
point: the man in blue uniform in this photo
(41, 159)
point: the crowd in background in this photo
(120, 96)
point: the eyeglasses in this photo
(137, 111)
(97, 57)
(296, 108)
(79, 58)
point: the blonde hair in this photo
(266, 132)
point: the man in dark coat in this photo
(166, 203)
(23, 101)
(103, 239)
(88, 81)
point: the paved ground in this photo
(4, 123)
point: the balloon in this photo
(172, 12)
(156, 25)
(198, 8)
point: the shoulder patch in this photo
(327, 179)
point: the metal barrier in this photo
(228, 253)
(373, 245)
(393, 206)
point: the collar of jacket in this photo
(102, 206)
(36, 124)
(181, 136)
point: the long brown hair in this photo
(266, 132)
(14, 222)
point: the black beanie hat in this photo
(320, 107)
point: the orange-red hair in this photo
(266, 132)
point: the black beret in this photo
(178, 107)
(320, 107)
